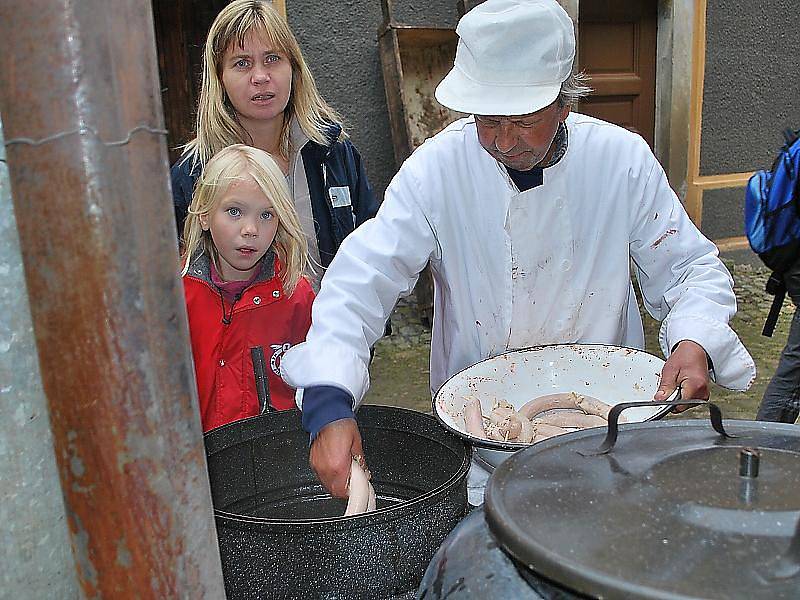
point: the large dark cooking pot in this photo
(672, 510)
(282, 536)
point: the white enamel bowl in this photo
(609, 373)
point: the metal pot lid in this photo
(673, 510)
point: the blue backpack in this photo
(772, 219)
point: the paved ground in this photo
(400, 369)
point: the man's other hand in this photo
(687, 368)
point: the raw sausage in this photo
(361, 491)
(527, 433)
(542, 431)
(571, 418)
(593, 406)
(548, 402)
(536, 420)
(507, 422)
(473, 418)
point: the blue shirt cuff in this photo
(323, 404)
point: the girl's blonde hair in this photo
(235, 163)
(217, 125)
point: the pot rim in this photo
(381, 515)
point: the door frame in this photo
(697, 184)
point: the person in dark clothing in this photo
(781, 401)
(258, 90)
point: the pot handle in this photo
(613, 420)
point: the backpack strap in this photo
(776, 287)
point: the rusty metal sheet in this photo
(85, 147)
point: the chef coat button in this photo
(275, 294)
(257, 300)
(566, 265)
(221, 362)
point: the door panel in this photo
(181, 27)
(617, 48)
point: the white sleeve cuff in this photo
(734, 368)
(337, 366)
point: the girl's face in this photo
(257, 79)
(243, 226)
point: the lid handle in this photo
(613, 421)
(749, 459)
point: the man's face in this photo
(521, 141)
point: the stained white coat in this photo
(511, 270)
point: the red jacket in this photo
(263, 316)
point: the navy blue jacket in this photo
(337, 164)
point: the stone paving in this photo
(399, 373)
(407, 327)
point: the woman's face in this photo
(257, 79)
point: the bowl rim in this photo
(515, 446)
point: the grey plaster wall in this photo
(751, 87)
(340, 44)
(427, 13)
(723, 213)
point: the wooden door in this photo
(181, 27)
(617, 47)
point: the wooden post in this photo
(87, 162)
(464, 6)
(280, 6)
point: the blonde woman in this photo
(244, 261)
(258, 90)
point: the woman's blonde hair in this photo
(217, 125)
(235, 163)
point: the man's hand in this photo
(332, 453)
(687, 368)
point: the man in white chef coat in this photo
(529, 216)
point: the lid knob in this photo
(748, 462)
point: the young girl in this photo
(243, 264)
(258, 90)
